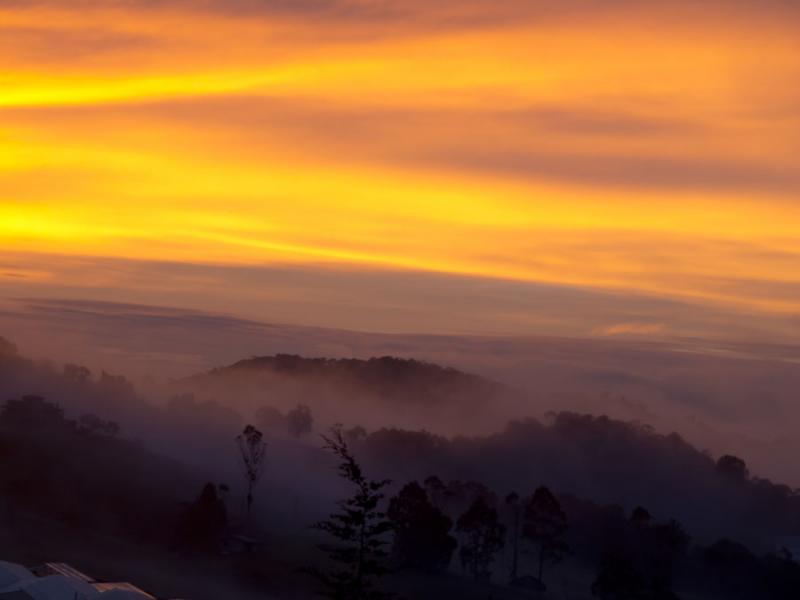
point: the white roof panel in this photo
(56, 587)
(12, 573)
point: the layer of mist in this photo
(721, 396)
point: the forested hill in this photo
(392, 378)
(376, 392)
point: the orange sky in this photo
(635, 149)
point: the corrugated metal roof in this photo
(56, 587)
(122, 585)
(53, 568)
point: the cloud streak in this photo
(515, 141)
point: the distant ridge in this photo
(389, 377)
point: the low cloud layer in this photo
(379, 301)
(724, 396)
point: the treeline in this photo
(387, 376)
(182, 426)
(82, 473)
(634, 557)
(74, 385)
(609, 461)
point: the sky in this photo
(478, 167)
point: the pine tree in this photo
(359, 529)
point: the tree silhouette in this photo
(732, 468)
(96, 425)
(640, 517)
(77, 374)
(358, 528)
(299, 420)
(515, 508)
(483, 535)
(32, 411)
(545, 526)
(738, 574)
(665, 544)
(421, 531)
(252, 448)
(643, 567)
(436, 491)
(203, 521)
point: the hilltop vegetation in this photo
(378, 391)
(392, 378)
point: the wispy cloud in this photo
(641, 149)
(633, 329)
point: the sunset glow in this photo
(587, 148)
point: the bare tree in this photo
(252, 448)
